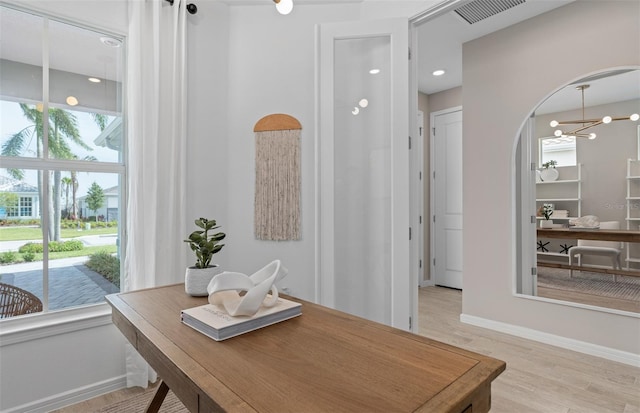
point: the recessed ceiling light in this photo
(110, 41)
(374, 71)
(94, 80)
(355, 110)
(438, 72)
(72, 100)
(363, 103)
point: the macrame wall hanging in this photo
(277, 200)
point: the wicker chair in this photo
(16, 301)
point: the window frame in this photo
(53, 322)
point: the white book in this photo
(215, 322)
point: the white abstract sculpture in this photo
(224, 289)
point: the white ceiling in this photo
(440, 41)
(439, 47)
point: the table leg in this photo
(158, 398)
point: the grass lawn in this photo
(86, 251)
(34, 233)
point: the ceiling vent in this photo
(481, 9)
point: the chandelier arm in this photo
(575, 122)
(596, 123)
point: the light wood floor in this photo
(539, 378)
(590, 299)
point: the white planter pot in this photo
(196, 280)
(546, 223)
(549, 174)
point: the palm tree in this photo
(66, 184)
(63, 129)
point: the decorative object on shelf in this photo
(198, 277)
(564, 248)
(225, 288)
(587, 221)
(547, 211)
(542, 246)
(585, 124)
(277, 197)
(538, 176)
(549, 173)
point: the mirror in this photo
(578, 160)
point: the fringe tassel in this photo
(277, 199)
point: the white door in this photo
(447, 198)
(363, 161)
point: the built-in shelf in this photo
(633, 194)
(564, 181)
(565, 194)
(557, 199)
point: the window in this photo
(561, 150)
(25, 207)
(62, 163)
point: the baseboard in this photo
(554, 340)
(70, 397)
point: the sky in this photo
(12, 120)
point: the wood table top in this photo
(322, 361)
(621, 235)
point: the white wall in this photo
(272, 70)
(507, 68)
(207, 130)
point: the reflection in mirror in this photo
(578, 194)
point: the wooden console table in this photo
(322, 361)
(618, 235)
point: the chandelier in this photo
(581, 131)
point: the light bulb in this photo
(592, 136)
(606, 119)
(558, 132)
(553, 123)
(363, 103)
(72, 100)
(284, 6)
(634, 117)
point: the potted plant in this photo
(547, 211)
(549, 173)
(204, 245)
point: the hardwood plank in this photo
(539, 378)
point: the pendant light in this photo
(284, 6)
(579, 132)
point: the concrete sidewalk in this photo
(71, 283)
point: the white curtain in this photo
(156, 131)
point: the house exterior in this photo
(108, 212)
(27, 204)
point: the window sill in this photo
(37, 326)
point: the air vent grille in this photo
(481, 9)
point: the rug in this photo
(138, 403)
(627, 288)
